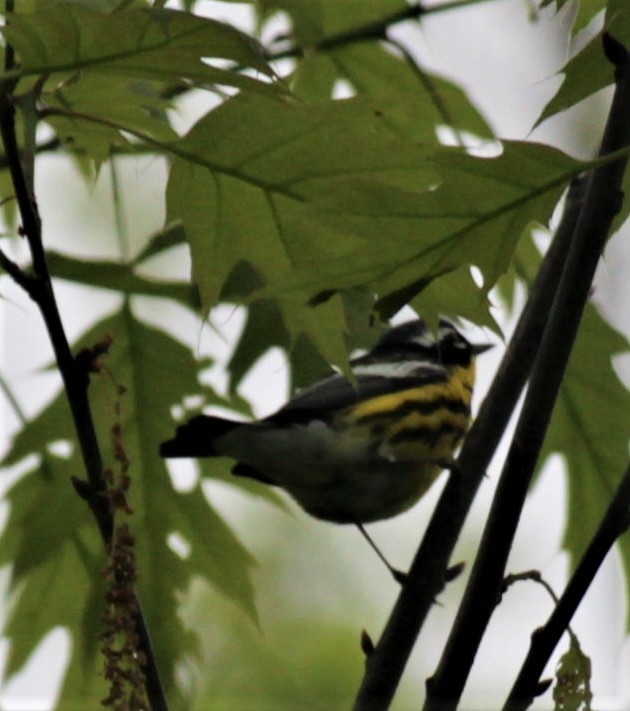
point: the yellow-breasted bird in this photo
(356, 452)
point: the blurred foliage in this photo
(323, 217)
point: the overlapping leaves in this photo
(62, 555)
(143, 43)
(335, 201)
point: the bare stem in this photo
(601, 204)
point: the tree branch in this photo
(74, 376)
(426, 578)
(370, 31)
(544, 640)
(601, 204)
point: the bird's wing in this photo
(337, 392)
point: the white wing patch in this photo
(397, 369)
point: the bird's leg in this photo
(398, 575)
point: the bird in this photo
(361, 449)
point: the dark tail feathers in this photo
(196, 437)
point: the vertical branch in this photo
(544, 640)
(386, 663)
(601, 204)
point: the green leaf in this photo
(247, 166)
(136, 106)
(524, 267)
(170, 236)
(584, 74)
(313, 21)
(403, 239)
(414, 102)
(590, 428)
(146, 43)
(264, 328)
(586, 11)
(54, 548)
(444, 296)
(119, 277)
(591, 420)
(589, 70)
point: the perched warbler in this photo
(356, 452)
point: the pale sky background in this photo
(508, 68)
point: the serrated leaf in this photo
(589, 70)
(584, 74)
(454, 294)
(146, 43)
(134, 105)
(144, 361)
(524, 266)
(247, 165)
(406, 238)
(264, 328)
(55, 552)
(586, 10)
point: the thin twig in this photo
(19, 276)
(601, 204)
(544, 640)
(8, 393)
(370, 31)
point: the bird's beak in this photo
(478, 348)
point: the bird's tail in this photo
(196, 437)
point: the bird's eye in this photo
(455, 350)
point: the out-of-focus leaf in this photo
(524, 267)
(415, 102)
(119, 277)
(314, 21)
(246, 166)
(589, 70)
(146, 43)
(591, 420)
(53, 542)
(135, 105)
(170, 236)
(590, 427)
(586, 10)
(584, 74)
